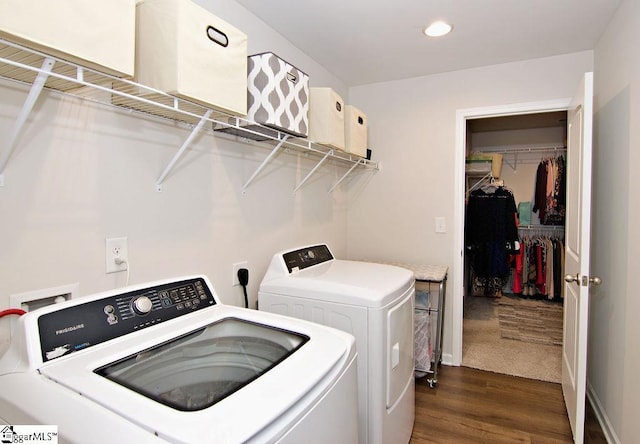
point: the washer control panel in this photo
(80, 326)
(306, 257)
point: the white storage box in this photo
(481, 162)
(478, 166)
(184, 50)
(355, 131)
(98, 35)
(326, 117)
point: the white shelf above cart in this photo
(41, 71)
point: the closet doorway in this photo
(512, 313)
(578, 279)
(456, 278)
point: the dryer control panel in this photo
(82, 325)
(306, 257)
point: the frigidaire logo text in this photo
(68, 329)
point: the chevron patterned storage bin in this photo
(278, 94)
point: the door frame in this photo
(457, 275)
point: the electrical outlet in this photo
(236, 267)
(116, 248)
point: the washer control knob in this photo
(142, 305)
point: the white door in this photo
(577, 240)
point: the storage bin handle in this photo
(292, 77)
(339, 106)
(217, 36)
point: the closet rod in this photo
(536, 149)
(527, 150)
(541, 227)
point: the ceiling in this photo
(368, 41)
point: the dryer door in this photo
(400, 361)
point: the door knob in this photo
(595, 280)
(569, 278)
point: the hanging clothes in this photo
(538, 268)
(491, 235)
(550, 191)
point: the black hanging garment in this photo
(491, 235)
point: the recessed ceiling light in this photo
(437, 29)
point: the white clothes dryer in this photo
(166, 362)
(374, 302)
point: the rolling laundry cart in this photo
(431, 276)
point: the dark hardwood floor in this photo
(474, 406)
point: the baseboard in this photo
(601, 416)
(447, 359)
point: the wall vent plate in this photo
(32, 300)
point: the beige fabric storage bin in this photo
(326, 117)
(355, 131)
(184, 50)
(98, 35)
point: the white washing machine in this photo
(373, 302)
(166, 362)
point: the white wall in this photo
(412, 132)
(82, 172)
(614, 348)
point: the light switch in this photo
(441, 225)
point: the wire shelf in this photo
(25, 65)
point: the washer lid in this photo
(348, 282)
(279, 396)
(200, 369)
